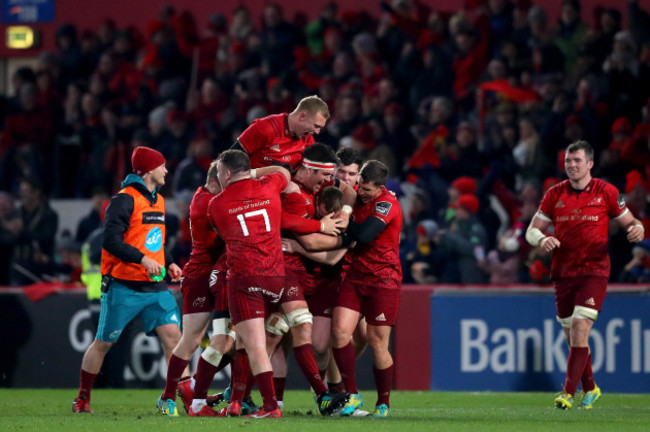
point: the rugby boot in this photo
(81, 405)
(329, 403)
(354, 402)
(276, 413)
(381, 411)
(184, 391)
(205, 411)
(589, 398)
(564, 401)
(248, 406)
(216, 399)
(232, 410)
(167, 407)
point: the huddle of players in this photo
(307, 301)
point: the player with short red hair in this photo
(282, 138)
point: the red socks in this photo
(575, 367)
(86, 381)
(240, 376)
(265, 385)
(587, 378)
(203, 378)
(175, 369)
(345, 360)
(278, 384)
(384, 382)
(305, 358)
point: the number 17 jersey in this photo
(247, 215)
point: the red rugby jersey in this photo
(581, 221)
(300, 205)
(207, 246)
(268, 140)
(247, 215)
(378, 261)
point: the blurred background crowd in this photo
(470, 110)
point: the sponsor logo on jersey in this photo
(383, 207)
(590, 301)
(293, 291)
(381, 317)
(275, 147)
(559, 204)
(274, 297)
(154, 240)
(621, 201)
(595, 201)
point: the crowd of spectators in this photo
(469, 109)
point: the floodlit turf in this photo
(127, 410)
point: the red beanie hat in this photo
(145, 159)
(468, 202)
(464, 185)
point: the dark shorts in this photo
(219, 289)
(295, 282)
(196, 294)
(379, 308)
(254, 297)
(585, 291)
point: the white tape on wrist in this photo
(254, 173)
(534, 236)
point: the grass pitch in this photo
(131, 410)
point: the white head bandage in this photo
(318, 165)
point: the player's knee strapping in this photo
(585, 313)
(565, 322)
(223, 326)
(276, 325)
(298, 317)
(580, 312)
(212, 356)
